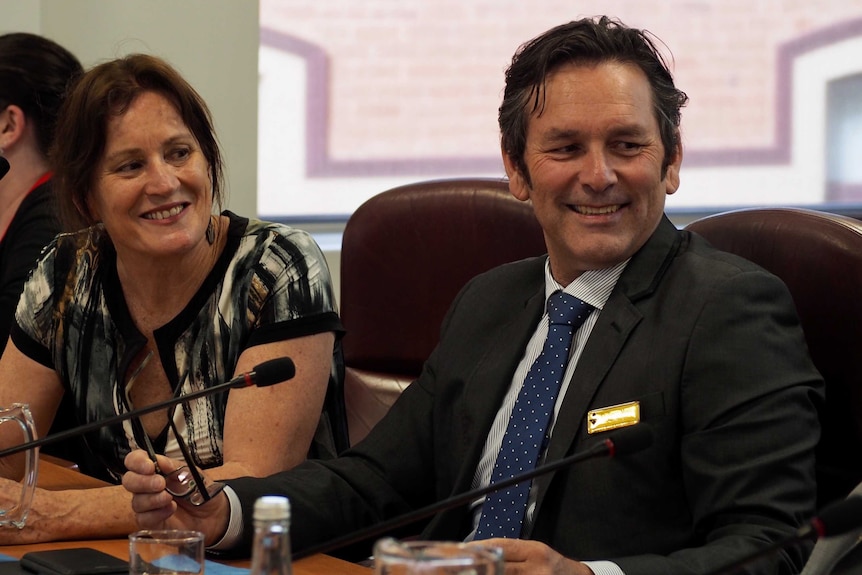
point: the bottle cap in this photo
(272, 508)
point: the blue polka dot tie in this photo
(503, 510)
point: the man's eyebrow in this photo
(557, 134)
(636, 130)
(621, 130)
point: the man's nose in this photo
(597, 172)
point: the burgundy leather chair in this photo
(819, 257)
(405, 255)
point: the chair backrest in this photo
(405, 255)
(819, 257)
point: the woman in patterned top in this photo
(158, 296)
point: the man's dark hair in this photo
(589, 42)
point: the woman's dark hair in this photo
(107, 91)
(588, 41)
(35, 73)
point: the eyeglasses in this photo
(186, 481)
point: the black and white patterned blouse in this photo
(271, 283)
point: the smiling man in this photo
(594, 165)
(665, 332)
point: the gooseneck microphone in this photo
(263, 375)
(622, 442)
(835, 519)
(4, 167)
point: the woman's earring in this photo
(211, 232)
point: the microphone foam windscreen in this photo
(274, 371)
(842, 517)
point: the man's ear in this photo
(671, 176)
(518, 185)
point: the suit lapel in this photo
(486, 385)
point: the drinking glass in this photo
(392, 557)
(166, 552)
(16, 425)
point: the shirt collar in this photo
(593, 286)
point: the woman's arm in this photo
(23, 380)
(54, 515)
(103, 512)
(269, 429)
(266, 429)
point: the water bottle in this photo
(271, 551)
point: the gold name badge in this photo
(613, 417)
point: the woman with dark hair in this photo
(34, 74)
(160, 294)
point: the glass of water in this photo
(166, 552)
(392, 557)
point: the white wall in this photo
(213, 43)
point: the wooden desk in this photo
(52, 476)
(57, 477)
(314, 565)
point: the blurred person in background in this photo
(34, 75)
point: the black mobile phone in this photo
(75, 561)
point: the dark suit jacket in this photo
(707, 342)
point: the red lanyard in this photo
(45, 177)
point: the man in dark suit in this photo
(701, 346)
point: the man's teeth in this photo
(164, 213)
(590, 211)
